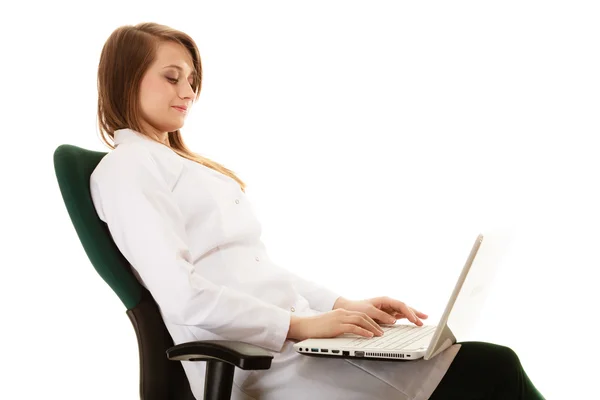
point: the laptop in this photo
(404, 342)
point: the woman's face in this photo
(166, 85)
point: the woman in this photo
(186, 227)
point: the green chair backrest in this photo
(74, 166)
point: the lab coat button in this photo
(293, 309)
(237, 201)
(257, 259)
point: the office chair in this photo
(162, 376)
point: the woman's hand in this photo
(382, 309)
(331, 324)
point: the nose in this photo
(187, 92)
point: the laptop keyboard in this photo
(396, 337)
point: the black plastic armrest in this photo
(242, 355)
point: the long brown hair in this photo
(127, 54)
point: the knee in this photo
(508, 356)
(507, 365)
(494, 356)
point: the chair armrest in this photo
(242, 355)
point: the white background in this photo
(377, 140)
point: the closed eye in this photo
(174, 81)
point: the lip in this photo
(181, 109)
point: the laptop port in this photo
(335, 351)
(315, 350)
(345, 353)
(324, 351)
(359, 353)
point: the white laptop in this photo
(411, 342)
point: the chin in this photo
(171, 127)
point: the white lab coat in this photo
(192, 237)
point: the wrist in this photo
(293, 332)
(340, 302)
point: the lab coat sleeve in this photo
(319, 297)
(136, 203)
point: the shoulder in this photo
(135, 162)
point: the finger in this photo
(364, 321)
(351, 328)
(420, 314)
(415, 319)
(404, 309)
(413, 316)
(382, 316)
(399, 307)
(371, 323)
(399, 315)
(402, 316)
(391, 312)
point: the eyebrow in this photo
(178, 67)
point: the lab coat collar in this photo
(129, 135)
